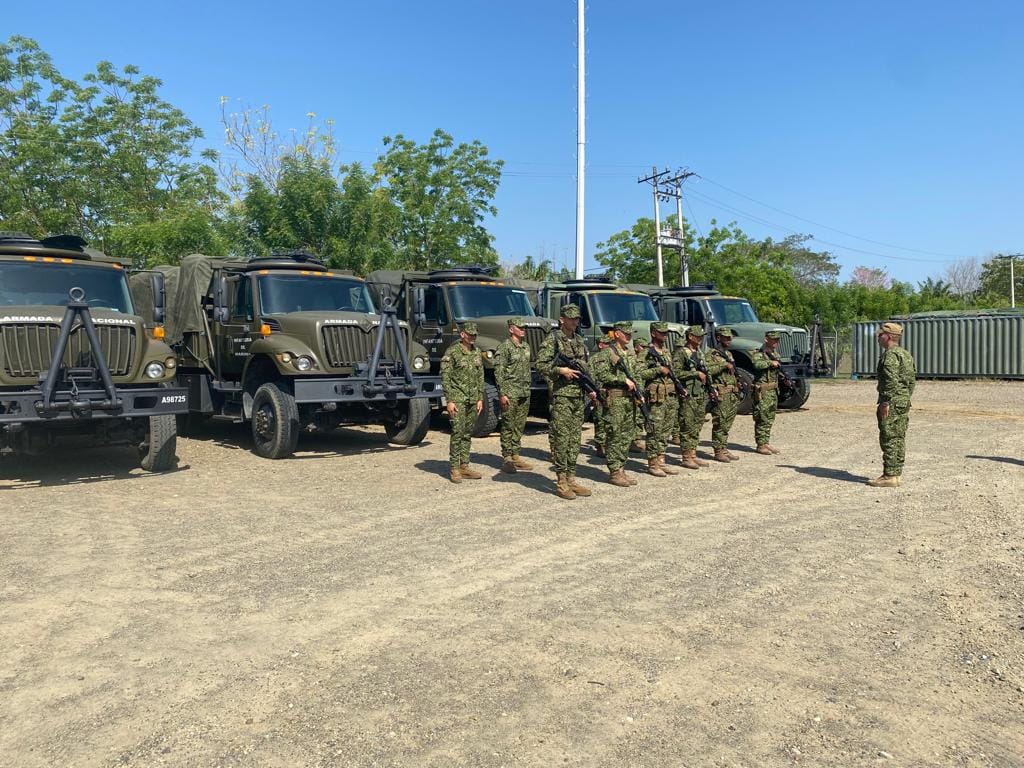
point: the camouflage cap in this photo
(516, 321)
(638, 340)
(624, 326)
(893, 329)
(695, 330)
(661, 326)
(773, 335)
(569, 310)
(725, 332)
(469, 328)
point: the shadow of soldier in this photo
(1000, 459)
(583, 471)
(827, 473)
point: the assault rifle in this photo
(784, 380)
(582, 377)
(637, 394)
(700, 366)
(659, 359)
(741, 383)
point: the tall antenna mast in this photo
(581, 133)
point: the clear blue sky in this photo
(896, 122)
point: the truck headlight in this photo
(303, 362)
(170, 363)
(419, 363)
(155, 370)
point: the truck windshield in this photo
(613, 307)
(284, 293)
(732, 311)
(469, 301)
(47, 284)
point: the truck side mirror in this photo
(220, 304)
(419, 306)
(159, 297)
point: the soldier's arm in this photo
(546, 356)
(684, 372)
(911, 374)
(447, 379)
(502, 366)
(760, 361)
(606, 371)
(478, 382)
(716, 363)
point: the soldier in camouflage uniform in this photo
(462, 376)
(566, 420)
(512, 375)
(692, 409)
(662, 400)
(600, 416)
(619, 376)
(766, 366)
(722, 368)
(639, 444)
(896, 380)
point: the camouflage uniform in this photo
(611, 372)
(692, 409)
(896, 379)
(726, 387)
(512, 375)
(662, 401)
(565, 423)
(462, 376)
(600, 357)
(766, 396)
(640, 344)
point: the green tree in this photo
(994, 288)
(107, 159)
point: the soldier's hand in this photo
(479, 407)
(883, 411)
(664, 370)
(569, 373)
(452, 409)
(730, 367)
(775, 364)
(592, 396)
(631, 386)
(702, 377)
(505, 402)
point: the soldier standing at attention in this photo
(639, 443)
(661, 400)
(722, 368)
(600, 412)
(512, 375)
(766, 392)
(462, 376)
(896, 379)
(692, 409)
(566, 419)
(619, 376)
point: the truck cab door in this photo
(236, 334)
(431, 319)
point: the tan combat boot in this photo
(674, 440)
(618, 477)
(508, 465)
(456, 475)
(772, 448)
(579, 490)
(722, 455)
(885, 481)
(638, 446)
(665, 467)
(689, 459)
(562, 489)
(630, 479)
(700, 461)
(470, 474)
(764, 450)
(520, 464)
(732, 456)
(654, 468)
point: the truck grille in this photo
(795, 341)
(28, 347)
(534, 338)
(345, 346)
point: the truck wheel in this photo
(800, 392)
(746, 379)
(487, 421)
(157, 454)
(412, 425)
(275, 422)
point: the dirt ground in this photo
(350, 607)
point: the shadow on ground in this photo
(827, 473)
(66, 466)
(1001, 459)
(344, 441)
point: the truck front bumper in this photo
(359, 390)
(27, 405)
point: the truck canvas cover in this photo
(390, 281)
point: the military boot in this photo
(579, 490)
(674, 440)
(764, 450)
(520, 464)
(665, 467)
(630, 479)
(456, 475)
(470, 474)
(732, 456)
(722, 455)
(508, 466)
(773, 449)
(885, 481)
(562, 489)
(700, 461)
(638, 446)
(689, 459)
(654, 468)
(618, 477)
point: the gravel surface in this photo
(350, 607)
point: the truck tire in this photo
(746, 379)
(275, 422)
(801, 392)
(157, 454)
(487, 421)
(412, 426)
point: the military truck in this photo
(290, 346)
(435, 302)
(802, 353)
(76, 359)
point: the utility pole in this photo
(684, 260)
(581, 133)
(666, 189)
(655, 180)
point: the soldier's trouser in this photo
(564, 428)
(691, 419)
(621, 430)
(462, 433)
(600, 424)
(664, 418)
(513, 424)
(764, 415)
(892, 437)
(722, 417)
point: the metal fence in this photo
(976, 346)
